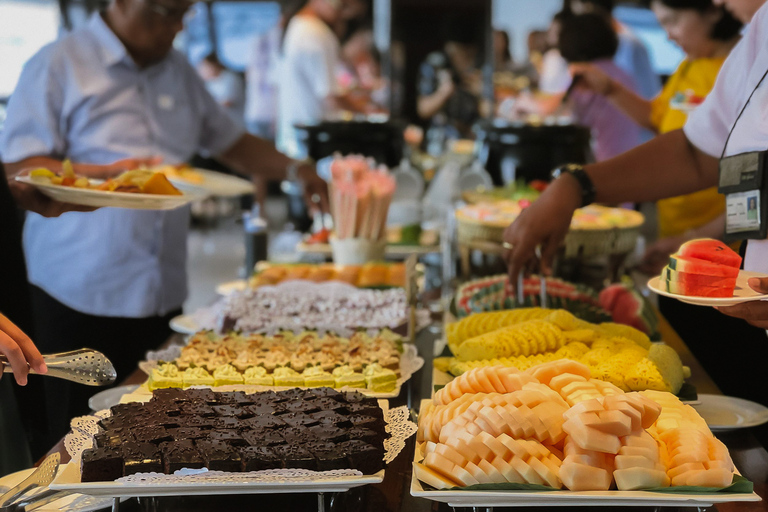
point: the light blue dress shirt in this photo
(84, 98)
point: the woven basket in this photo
(578, 242)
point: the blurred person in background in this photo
(589, 38)
(360, 69)
(554, 77)
(706, 33)
(632, 55)
(308, 91)
(502, 56)
(449, 86)
(223, 84)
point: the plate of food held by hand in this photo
(706, 272)
(138, 189)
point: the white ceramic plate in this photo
(69, 480)
(215, 184)
(569, 498)
(184, 324)
(728, 412)
(71, 503)
(742, 293)
(109, 397)
(102, 198)
(225, 289)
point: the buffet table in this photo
(393, 494)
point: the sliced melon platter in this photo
(555, 427)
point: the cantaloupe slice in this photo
(526, 471)
(450, 454)
(579, 477)
(479, 475)
(430, 477)
(634, 461)
(549, 477)
(589, 438)
(507, 471)
(545, 372)
(632, 479)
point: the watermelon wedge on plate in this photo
(708, 249)
(702, 268)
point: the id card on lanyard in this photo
(743, 182)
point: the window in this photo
(25, 27)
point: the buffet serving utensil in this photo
(41, 477)
(84, 366)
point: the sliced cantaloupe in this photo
(450, 454)
(544, 373)
(580, 477)
(430, 477)
(589, 438)
(634, 461)
(479, 475)
(489, 469)
(632, 479)
(507, 471)
(462, 475)
(614, 422)
(526, 471)
(549, 477)
(684, 468)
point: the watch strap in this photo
(585, 182)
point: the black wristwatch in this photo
(585, 182)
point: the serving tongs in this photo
(84, 366)
(41, 477)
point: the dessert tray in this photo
(204, 482)
(410, 363)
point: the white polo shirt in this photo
(307, 78)
(708, 125)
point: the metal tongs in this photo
(84, 366)
(12, 500)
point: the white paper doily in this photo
(398, 425)
(410, 363)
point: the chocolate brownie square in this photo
(375, 424)
(181, 454)
(265, 437)
(188, 433)
(333, 458)
(293, 394)
(265, 409)
(329, 433)
(141, 458)
(114, 437)
(329, 404)
(297, 435)
(298, 419)
(219, 456)
(352, 397)
(305, 406)
(367, 409)
(294, 456)
(228, 422)
(325, 392)
(332, 418)
(262, 422)
(199, 422)
(231, 437)
(203, 395)
(101, 464)
(365, 434)
(170, 395)
(197, 409)
(363, 456)
(256, 458)
(152, 434)
(242, 398)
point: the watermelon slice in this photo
(690, 265)
(698, 291)
(688, 279)
(712, 250)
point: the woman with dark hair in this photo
(706, 33)
(590, 38)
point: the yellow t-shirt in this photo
(677, 215)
